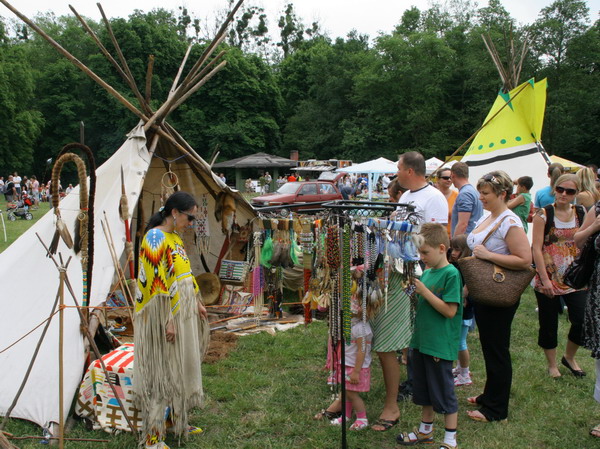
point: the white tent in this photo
(31, 280)
(373, 169)
(432, 165)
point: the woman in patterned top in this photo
(171, 328)
(553, 252)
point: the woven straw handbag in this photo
(492, 285)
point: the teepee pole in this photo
(183, 62)
(131, 79)
(149, 71)
(86, 332)
(198, 85)
(76, 61)
(61, 361)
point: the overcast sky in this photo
(337, 17)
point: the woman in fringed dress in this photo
(171, 328)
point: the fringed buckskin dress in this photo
(167, 376)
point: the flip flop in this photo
(596, 430)
(387, 424)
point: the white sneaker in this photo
(459, 380)
(455, 371)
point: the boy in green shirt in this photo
(521, 203)
(435, 340)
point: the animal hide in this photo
(225, 208)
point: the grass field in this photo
(265, 394)
(15, 228)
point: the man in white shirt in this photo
(17, 181)
(430, 204)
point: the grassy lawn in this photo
(265, 394)
(15, 228)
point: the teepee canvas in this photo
(510, 139)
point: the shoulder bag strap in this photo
(494, 229)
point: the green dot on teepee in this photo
(518, 138)
(503, 141)
(480, 147)
(491, 144)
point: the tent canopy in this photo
(373, 169)
(569, 165)
(261, 160)
(380, 165)
(432, 165)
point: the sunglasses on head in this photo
(490, 178)
(447, 178)
(560, 189)
(190, 217)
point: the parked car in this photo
(299, 192)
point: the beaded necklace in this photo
(346, 284)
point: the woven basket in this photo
(492, 285)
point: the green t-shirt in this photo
(435, 334)
(522, 210)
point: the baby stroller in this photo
(19, 208)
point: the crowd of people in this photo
(16, 188)
(488, 220)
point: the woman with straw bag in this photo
(171, 329)
(498, 238)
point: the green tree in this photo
(20, 122)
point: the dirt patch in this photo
(220, 346)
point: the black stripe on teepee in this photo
(503, 157)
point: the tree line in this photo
(426, 85)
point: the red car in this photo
(299, 192)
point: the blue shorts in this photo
(433, 383)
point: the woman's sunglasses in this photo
(560, 189)
(447, 178)
(490, 178)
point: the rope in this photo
(28, 333)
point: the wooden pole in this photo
(76, 61)
(89, 336)
(198, 85)
(120, 275)
(183, 62)
(130, 78)
(61, 324)
(149, 72)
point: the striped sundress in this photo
(392, 329)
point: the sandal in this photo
(477, 416)
(387, 424)
(473, 400)
(595, 431)
(359, 424)
(405, 439)
(447, 446)
(575, 372)
(328, 415)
